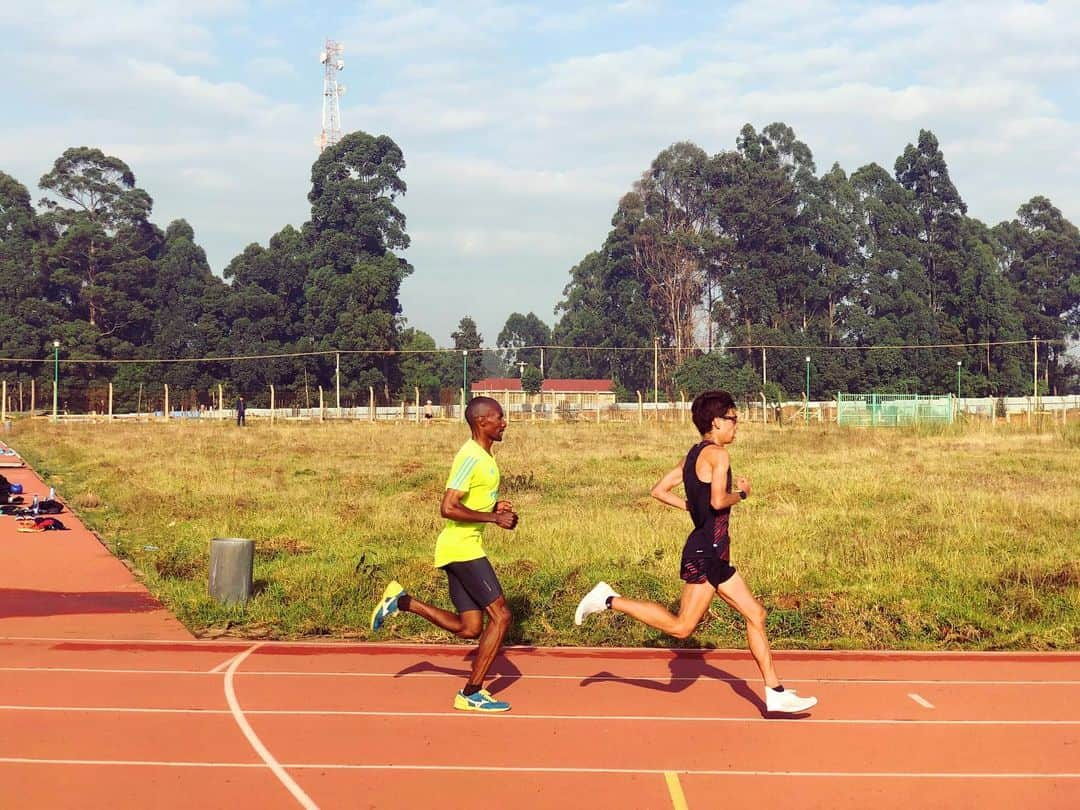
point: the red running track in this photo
(119, 707)
(145, 724)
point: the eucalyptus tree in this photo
(351, 292)
(922, 170)
(606, 313)
(187, 319)
(670, 205)
(27, 319)
(100, 244)
(521, 331)
(468, 339)
(425, 368)
(1040, 255)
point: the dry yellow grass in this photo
(962, 537)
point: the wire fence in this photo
(320, 387)
(869, 411)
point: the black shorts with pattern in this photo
(700, 568)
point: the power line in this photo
(814, 346)
(394, 352)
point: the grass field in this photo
(957, 538)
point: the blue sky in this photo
(522, 124)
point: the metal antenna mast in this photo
(332, 92)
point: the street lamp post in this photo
(56, 376)
(656, 375)
(806, 409)
(464, 379)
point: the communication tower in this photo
(332, 62)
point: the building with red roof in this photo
(555, 395)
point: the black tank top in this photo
(710, 535)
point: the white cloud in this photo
(271, 66)
(189, 91)
(164, 28)
(209, 179)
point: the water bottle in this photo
(52, 494)
(34, 505)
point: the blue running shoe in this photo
(481, 701)
(387, 605)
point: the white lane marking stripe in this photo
(260, 749)
(926, 704)
(612, 678)
(517, 716)
(539, 769)
(792, 655)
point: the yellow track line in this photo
(678, 800)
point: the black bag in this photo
(50, 507)
(5, 489)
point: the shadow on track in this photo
(686, 669)
(503, 672)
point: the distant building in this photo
(554, 394)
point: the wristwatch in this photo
(742, 494)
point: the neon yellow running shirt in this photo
(475, 473)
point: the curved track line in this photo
(260, 749)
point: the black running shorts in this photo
(702, 568)
(473, 584)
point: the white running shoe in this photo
(594, 601)
(787, 701)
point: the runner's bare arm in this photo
(453, 509)
(662, 490)
(719, 497)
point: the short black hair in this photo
(708, 406)
(476, 404)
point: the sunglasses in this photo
(729, 418)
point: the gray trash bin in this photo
(232, 561)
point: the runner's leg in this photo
(491, 639)
(735, 592)
(692, 606)
(466, 624)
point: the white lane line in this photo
(253, 738)
(109, 670)
(604, 678)
(114, 709)
(463, 716)
(538, 769)
(574, 652)
(926, 704)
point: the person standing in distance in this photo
(471, 499)
(241, 412)
(706, 569)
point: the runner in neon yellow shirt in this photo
(475, 473)
(471, 499)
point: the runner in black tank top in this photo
(707, 553)
(705, 567)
